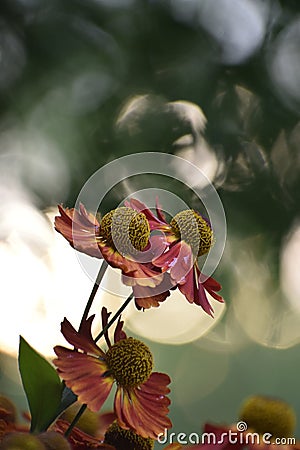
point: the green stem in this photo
(109, 324)
(99, 278)
(75, 420)
(112, 320)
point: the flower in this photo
(141, 401)
(80, 440)
(119, 237)
(263, 421)
(115, 438)
(188, 236)
(122, 439)
(45, 441)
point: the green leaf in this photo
(42, 386)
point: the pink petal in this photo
(194, 292)
(154, 222)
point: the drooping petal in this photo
(194, 291)
(80, 228)
(211, 286)
(133, 273)
(82, 340)
(144, 409)
(85, 375)
(146, 297)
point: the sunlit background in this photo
(87, 81)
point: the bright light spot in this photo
(41, 283)
(238, 27)
(174, 321)
(284, 65)
(259, 305)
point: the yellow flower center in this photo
(267, 415)
(194, 230)
(130, 362)
(126, 439)
(124, 228)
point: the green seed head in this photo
(194, 230)
(126, 439)
(268, 415)
(125, 229)
(130, 362)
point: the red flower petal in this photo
(146, 297)
(211, 285)
(81, 340)
(154, 222)
(144, 409)
(119, 333)
(85, 375)
(80, 229)
(194, 291)
(179, 259)
(133, 272)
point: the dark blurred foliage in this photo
(68, 67)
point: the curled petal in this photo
(155, 223)
(81, 340)
(85, 375)
(80, 228)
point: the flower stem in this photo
(112, 320)
(75, 420)
(99, 278)
(109, 324)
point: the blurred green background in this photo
(218, 83)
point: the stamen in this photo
(189, 226)
(130, 362)
(125, 229)
(268, 415)
(126, 439)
